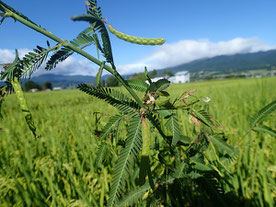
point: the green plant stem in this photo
(65, 43)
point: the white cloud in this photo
(7, 56)
(185, 51)
(71, 66)
(167, 55)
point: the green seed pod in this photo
(145, 152)
(136, 40)
(23, 105)
(146, 138)
(99, 74)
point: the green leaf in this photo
(266, 129)
(178, 170)
(112, 123)
(163, 93)
(173, 126)
(111, 96)
(184, 139)
(127, 156)
(98, 26)
(159, 85)
(134, 196)
(204, 117)
(164, 104)
(81, 41)
(262, 113)
(222, 146)
(200, 165)
(100, 154)
(138, 85)
(147, 76)
(33, 60)
(12, 70)
(93, 9)
(97, 42)
(164, 112)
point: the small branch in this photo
(65, 43)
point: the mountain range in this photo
(220, 64)
(230, 63)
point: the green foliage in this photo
(97, 24)
(48, 85)
(257, 119)
(268, 109)
(141, 76)
(173, 125)
(111, 96)
(112, 81)
(31, 85)
(168, 73)
(128, 155)
(139, 85)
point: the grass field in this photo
(59, 168)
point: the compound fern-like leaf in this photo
(81, 41)
(127, 156)
(134, 196)
(33, 60)
(138, 85)
(266, 129)
(111, 96)
(268, 109)
(112, 123)
(160, 85)
(173, 126)
(98, 25)
(222, 146)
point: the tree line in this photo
(29, 85)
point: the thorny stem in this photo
(65, 43)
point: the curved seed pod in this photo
(99, 74)
(146, 137)
(136, 40)
(23, 105)
(145, 151)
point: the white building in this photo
(179, 77)
(57, 88)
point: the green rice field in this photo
(59, 169)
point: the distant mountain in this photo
(220, 64)
(229, 63)
(62, 80)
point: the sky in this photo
(193, 29)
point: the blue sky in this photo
(193, 29)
